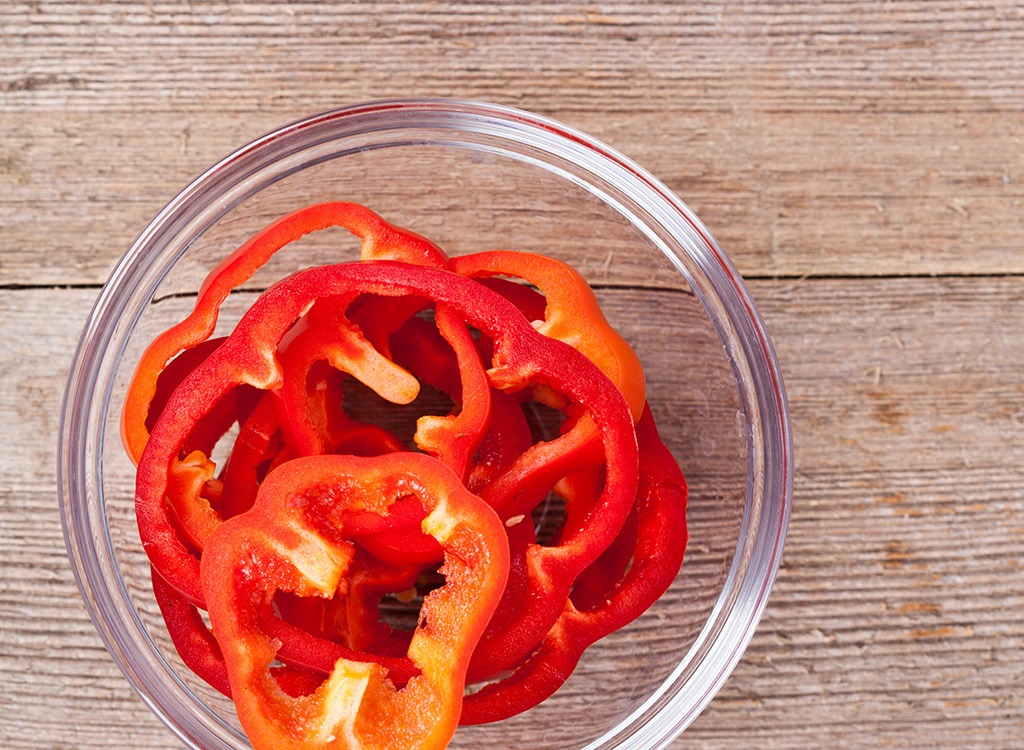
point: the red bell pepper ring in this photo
(219, 420)
(307, 651)
(591, 586)
(419, 347)
(297, 647)
(200, 652)
(254, 447)
(192, 639)
(444, 356)
(345, 434)
(326, 335)
(521, 537)
(195, 515)
(353, 620)
(508, 438)
(370, 581)
(521, 357)
(404, 543)
(380, 240)
(572, 314)
(454, 438)
(293, 540)
(660, 543)
(530, 302)
(348, 352)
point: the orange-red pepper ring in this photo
(572, 313)
(657, 552)
(200, 652)
(380, 240)
(521, 356)
(325, 335)
(293, 540)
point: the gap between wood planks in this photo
(746, 277)
(795, 279)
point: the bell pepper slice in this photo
(192, 639)
(660, 543)
(380, 240)
(370, 580)
(206, 435)
(297, 647)
(421, 348)
(444, 356)
(326, 335)
(347, 352)
(508, 438)
(281, 381)
(293, 540)
(521, 357)
(454, 438)
(254, 447)
(200, 652)
(572, 314)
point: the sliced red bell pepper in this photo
(371, 580)
(454, 438)
(297, 647)
(380, 240)
(293, 540)
(660, 542)
(253, 449)
(521, 538)
(327, 335)
(352, 620)
(343, 433)
(507, 439)
(280, 376)
(521, 357)
(444, 356)
(419, 347)
(572, 313)
(200, 652)
(192, 639)
(217, 422)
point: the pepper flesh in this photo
(660, 542)
(293, 539)
(572, 314)
(600, 570)
(380, 240)
(521, 356)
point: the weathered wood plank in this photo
(896, 615)
(815, 138)
(896, 618)
(840, 56)
(785, 194)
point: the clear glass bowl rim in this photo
(710, 272)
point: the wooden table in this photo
(863, 164)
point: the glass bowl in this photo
(470, 176)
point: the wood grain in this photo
(863, 165)
(898, 601)
(780, 126)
